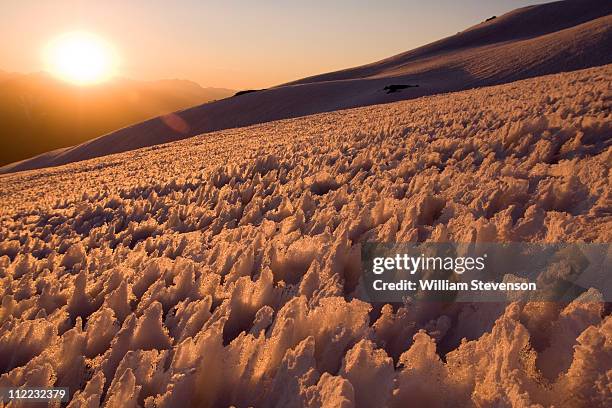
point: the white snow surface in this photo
(224, 269)
(528, 42)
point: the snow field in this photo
(224, 269)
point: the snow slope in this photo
(224, 269)
(528, 42)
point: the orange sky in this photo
(236, 43)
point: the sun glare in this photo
(81, 58)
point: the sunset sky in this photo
(237, 44)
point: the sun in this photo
(81, 58)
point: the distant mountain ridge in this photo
(527, 42)
(39, 113)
